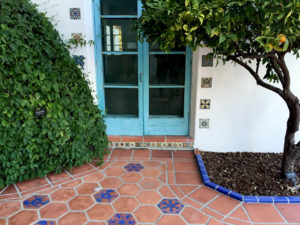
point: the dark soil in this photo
(249, 173)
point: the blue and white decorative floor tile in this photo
(134, 167)
(122, 219)
(106, 195)
(44, 222)
(170, 206)
(36, 201)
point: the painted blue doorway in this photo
(142, 90)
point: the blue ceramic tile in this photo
(223, 190)
(170, 206)
(280, 199)
(134, 167)
(207, 61)
(122, 219)
(265, 199)
(106, 196)
(203, 123)
(44, 222)
(79, 60)
(36, 201)
(294, 199)
(236, 196)
(212, 185)
(205, 179)
(75, 14)
(250, 199)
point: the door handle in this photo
(141, 74)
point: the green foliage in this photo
(37, 72)
(229, 27)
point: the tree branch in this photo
(279, 73)
(259, 81)
(285, 71)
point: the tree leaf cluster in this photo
(37, 72)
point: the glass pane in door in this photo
(120, 69)
(119, 7)
(118, 35)
(121, 101)
(166, 101)
(167, 69)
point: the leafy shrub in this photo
(37, 72)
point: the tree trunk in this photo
(291, 150)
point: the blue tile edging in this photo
(239, 197)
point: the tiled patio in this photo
(133, 187)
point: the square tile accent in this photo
(121, 218)
(206, 82)
(45, 222)
(76, 36)
(75, 14)
(205, 103)
(204, 123)
(79, 60)
(170, 206)
(207, 61)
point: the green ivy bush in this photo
(37, 72)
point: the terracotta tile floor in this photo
(133, 187)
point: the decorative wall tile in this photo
(204, 123)
(76, 36)
(170, 206)
(75, 14)
(134, 167)
(36, 201)
(45, 222)
(106, 196)
(121, 219)
(205, 103)
(79, 60)
(206, 82)
(207, 61)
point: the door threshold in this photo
(157, 142)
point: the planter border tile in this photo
(237, 196)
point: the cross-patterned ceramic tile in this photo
(207, 61)
(204, 123)
(79, 60)
(36, 201)
(106, 195)
(205, 103)
(134, 167)
(170, 206)
(75, 14)
(122, 219)
(206, 82)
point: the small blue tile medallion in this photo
(134, 167)
(204, 123)
(122, 219)
(44, 222)
(106, 196)
(170, 206)
(207, 61)
(36, 201)
(75, 14)
(79, 60)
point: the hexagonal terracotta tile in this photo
(125, 204)
(23, 218)
(87, 188)
(171, 219)
(96, 223)
(122, 218)
(150, 184)
(36, 201)
(81, 202)
(146, 214)
(2, 222)
(151, 172)
(129, 189)
(131, 177)
(53, 210)
(72, 218)
(119, 164)
(110, 182)
(9, 208)
(151, 164)
(114, 171)
(106, 196)
(63, 194)
(94, 177)
(193, 216)
(100, 212)
(149, 197)
(72, 183)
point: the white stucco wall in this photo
(243, 115)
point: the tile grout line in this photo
(235, 208)
(247, 213)
(3, 189)
(210, 201)
(18, 190)
(49, 182)
(280, 213)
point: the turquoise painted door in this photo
(142, 90)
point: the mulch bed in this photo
(249, 173)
